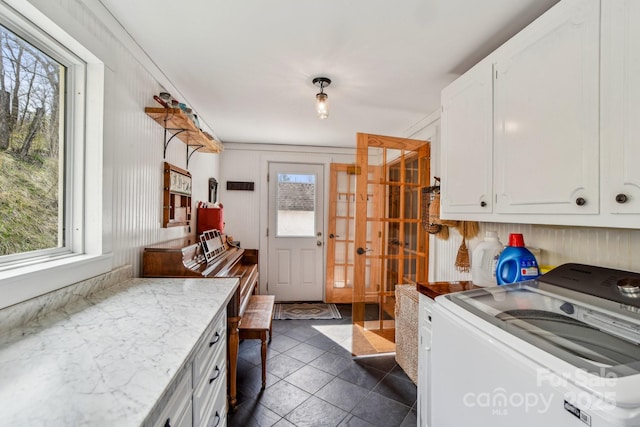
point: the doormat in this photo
(306, 311)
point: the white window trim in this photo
(88, 258)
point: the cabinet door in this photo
(546, 114)
(466, 141)
(621, 106)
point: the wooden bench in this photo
(255, 324)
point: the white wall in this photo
(133, 142)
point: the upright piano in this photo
(209, 255)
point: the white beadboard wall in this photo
(133, 142)
(605, 247)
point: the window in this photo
(33, 214)
(51, 159)
(296, 199)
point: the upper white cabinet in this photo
(565, 116)
(467, 131)
(621, 110)
(546, 114)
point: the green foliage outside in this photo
(30, 154)
(28, 204)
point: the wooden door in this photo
(341, 233)
(391, 245)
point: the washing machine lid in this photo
(592, 333)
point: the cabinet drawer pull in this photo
(580, 201)
(621, 198)
(215, 376)
(218, 419)
(215, 339)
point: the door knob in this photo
(318, 243)
(361, 251)
(331, 236)
(580, 201)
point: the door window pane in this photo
(296, 205)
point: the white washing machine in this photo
(559, 351)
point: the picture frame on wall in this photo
(176, 196)
(213, 190)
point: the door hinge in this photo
(267, 231)
(267, 177)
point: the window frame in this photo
(82, 255)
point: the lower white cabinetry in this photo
(200, 397)
(424, 357)
(177, 410)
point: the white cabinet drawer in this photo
(177, 411)
(215, 343)
(186, 420)
(209, 397)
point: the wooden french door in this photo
(391, 246)
(341, 233)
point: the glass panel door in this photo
(391, 247)
(341, 233)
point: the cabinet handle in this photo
(215, 377)
(483, 204)
(215, 339)
(218, 419)
(580, 201)
(621, 198)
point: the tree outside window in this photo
(31, 147)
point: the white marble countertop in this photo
(105, 359)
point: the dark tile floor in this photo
(312, 380)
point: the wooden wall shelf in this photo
(176, 124)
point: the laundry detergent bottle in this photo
(484, 260)
(516, 263)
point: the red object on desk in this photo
(209, 219)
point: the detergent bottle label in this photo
(528, 267)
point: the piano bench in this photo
(256, 323)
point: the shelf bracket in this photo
(167, 141)
(197, 147)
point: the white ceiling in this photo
(245, 66)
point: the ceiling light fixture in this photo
(322, 99)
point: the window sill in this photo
(23, 283)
